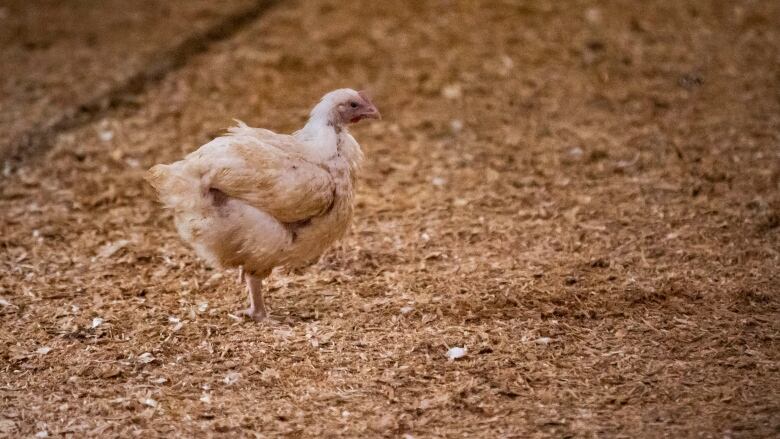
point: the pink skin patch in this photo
(365, 97)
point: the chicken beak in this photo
(370, 112)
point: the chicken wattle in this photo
(254, 199)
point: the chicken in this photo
(255, 200)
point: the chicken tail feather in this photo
(178, 189)
(240, 129)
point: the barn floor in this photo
(582, 194)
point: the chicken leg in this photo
(254, 285)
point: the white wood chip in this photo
(456, 352)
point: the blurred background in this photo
(585, 194)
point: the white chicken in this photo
(255, 200)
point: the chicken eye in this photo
(353, 104)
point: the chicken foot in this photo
(254, 285)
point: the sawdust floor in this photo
(583, 195)
(61, 58)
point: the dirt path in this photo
(585, 196)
